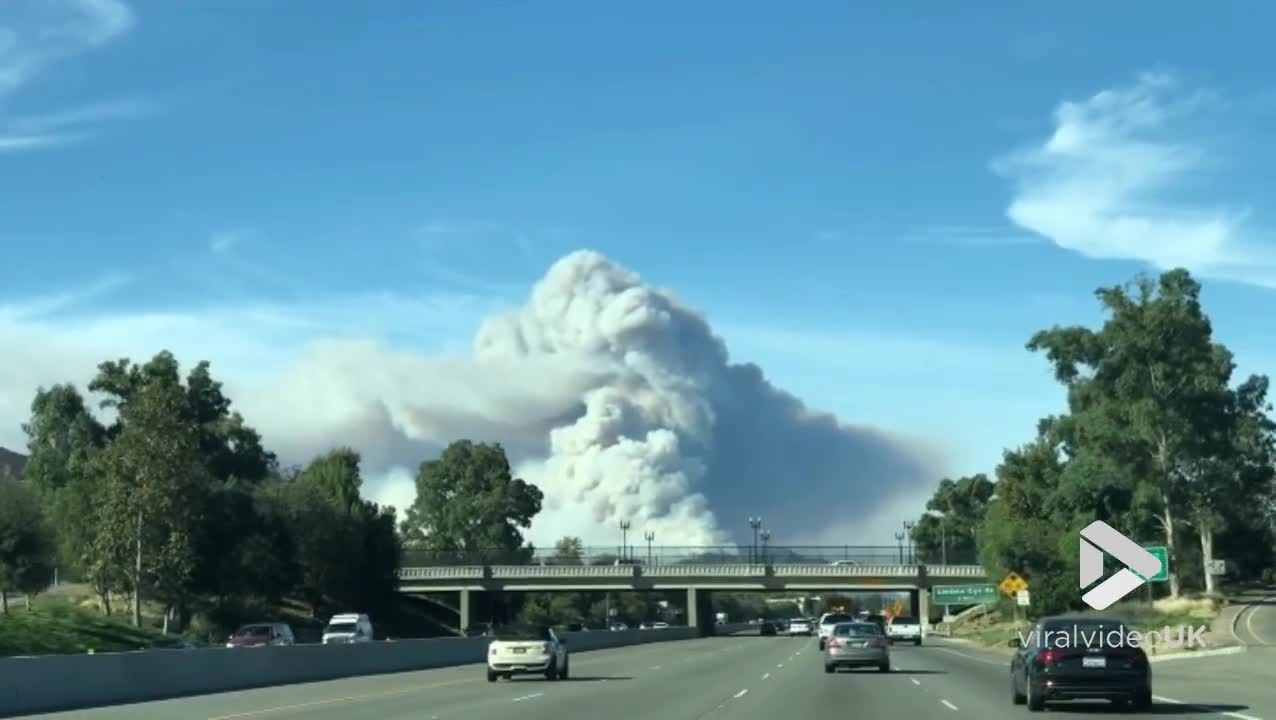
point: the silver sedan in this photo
(857, 644)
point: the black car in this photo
(1083, 657)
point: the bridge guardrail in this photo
(726, 570)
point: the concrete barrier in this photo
(66, 682)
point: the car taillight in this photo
(834, 643)
(1048, 657)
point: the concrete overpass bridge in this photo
(697, 580)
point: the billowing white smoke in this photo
(670, 435)
(620, 403)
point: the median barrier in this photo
(64, 682)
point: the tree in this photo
(63, 441)
(947, 530)
(569, 551)
(1145, 390)
(155, 478)
(467, 501)
(26, 542)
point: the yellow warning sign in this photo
(1012, 584)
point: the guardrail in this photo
(56, 683)
(744, 570)
(684, 555)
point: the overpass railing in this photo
(667, 555)
(725, 570)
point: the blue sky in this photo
(877, 204)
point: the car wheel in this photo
(492, 675)
(821, 644)
(566, 667)
(551, 672)
(1035, 702)
(917, 642)
(1016, 697)
(884, 667)
(1143, 700)
(829, 668)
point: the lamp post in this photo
(908, 531)
(943, 534)
(766, 537)
(756, 524)
(649, 535)
(624, 539)
(899, 540)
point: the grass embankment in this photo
(68, 621)
(995, 630)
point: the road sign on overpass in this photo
(964, 594)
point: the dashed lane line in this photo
(766, 675)
(948, 705)
(1204, 708)
(915, 681)
(528, 697)
(741, 694)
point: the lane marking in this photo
(915, 681)
(780, 665)
(742, 693)
(1204, 708)
(971, 657)
(334, 701)
(948, 705)
(766, 675)
(654, 667)
(1249, 622)
(528, 697)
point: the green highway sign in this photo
(963, 594)
(1163, 554)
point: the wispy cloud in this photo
(1108, 183)
(38, 34)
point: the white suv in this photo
(904, 628)
(827, 621)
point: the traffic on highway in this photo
(741, 676)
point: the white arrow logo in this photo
(1106, 539)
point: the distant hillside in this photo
(12, 462)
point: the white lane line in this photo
(766, 675)
(333, 701)
(741, 693)
(1249, 622)
(971, 657)
(528, 697)
(654, 667)
(896, 668)
(948, 705)
(915, 681)
(1204, 708)
(780, 665)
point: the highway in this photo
(742, 677)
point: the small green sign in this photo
(963, 594)
(1162, 553)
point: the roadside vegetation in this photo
(1159, 440)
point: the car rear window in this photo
(905, 620)
(834, 619)
(522, 632)
(254, 631)
(856, 630)
(1083, 633)
(342, 627)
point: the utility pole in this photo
(908, 531)
(650, 536)
(624, 539)
(755, 523)
(766, 537)
(899, 540)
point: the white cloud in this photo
(37, 34)
(612, 396)
(1106, 184)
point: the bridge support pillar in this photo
(700, 611)
(923, 609)
(463, 610)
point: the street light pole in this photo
(908, 531)
(755, 523)
(624, 539)
(899, 540)
(766, 537)
(650, 536)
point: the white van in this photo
(348, 628)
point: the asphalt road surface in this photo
(759, 678)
